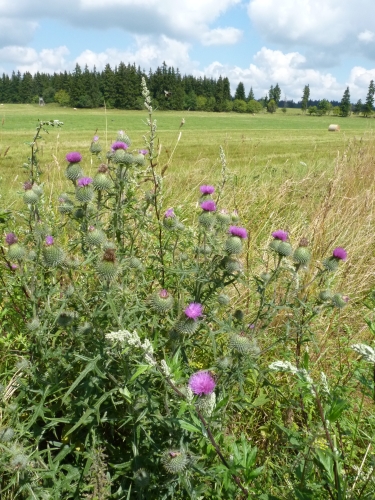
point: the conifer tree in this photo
(305, 98)
(369, 104)
(345, 106)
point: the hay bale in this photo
(334, 128)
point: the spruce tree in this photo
(305, 98)
(251, 97)
(369, 104)
(240, 92)
(345, 106)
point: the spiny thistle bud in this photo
(107, 268)
(170, 220)
(232, 265)
(37, 189)
(243, 344)
(103, 168)
(122, 137)
(102, 182)
(33, 325)
(204, 250)
(95, 147)
(16, 252)
(65, 318)
(6, 434)
(19, 461)
(186, 326)
(325, 295)
(84, 191)
(66, 205)
(206, 403)
(233, 245)
(331, 264)
(284, 249)
(134, 263)
(235, 217)
(238, 315)
(161, 301)
(224, 363)
(223, 218)
(85, 328)
(142, 478)
(30, 197)
(207, 219)
(223, 299)
(53, 256)
(302, 255)
(73, 171)
(139, 159)
(41, 230)
(95, 237)
(280, 237)
(174, 461)
(340, 300)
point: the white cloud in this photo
(148, 52)
(366, 36)
(222, 36)
(15, 31)
(359, 81)
(28, 59)
(273, 66)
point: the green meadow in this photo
(283, 170)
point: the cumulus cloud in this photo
(16, 31)
(182, 20)
(28, 59)
(330, 25)
(222, 36)
(359, 81)
(273, 66)
(147, 52)
(366, 36)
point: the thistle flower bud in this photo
(162, 301)
(102, 182)
(207, 219)
(33, 325)
(135, 263)
(284, 249)
(206, 404)
(73, 171)
(174, 461)
(6, 434)
(232, 265)
(325, 295)
(302, 255)
(242, 344)
(53, 256)
(16, 252)
(95, 237)
(84, 191)
(124, 138)
(107, 268)
(30, 197)
(186, 326)
(233, 245)
(223, 299)
(142, 478)
(340, 300)
(65, 318)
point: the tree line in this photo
(121, 88)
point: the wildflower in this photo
(73, 157)
(27, 185)
(207, 189)
(143, 151)
(280, 235)
(84, 181)
(95, 138)
(339, 253)
(202, 383)
(169, 213)
(238, 231)
(208, 206)
(49, 240)
(194, 310)
(119, 145)
(11, 238)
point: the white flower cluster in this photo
(324, 382)
(367, 352)
(286, 366)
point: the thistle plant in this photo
(145, 344)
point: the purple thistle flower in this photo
(207, 189)
(27, 185)
(119, 145)
(84, 181)
(163, 294)
(143, 151)
(340, 253)
(280, 235)
(208, 206)
(238, 231)
(169, 213)
(11, 238)
(73, 157)
(194, 310)
(49, 240)
(13, 267)
(95, 138)
(202, 383)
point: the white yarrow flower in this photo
(283, 366)
(367, 352)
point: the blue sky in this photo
(328, 44)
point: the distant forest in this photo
(121, 88)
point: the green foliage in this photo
(100, 345)
(272, 106)
(345, 106)
(62, 97)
